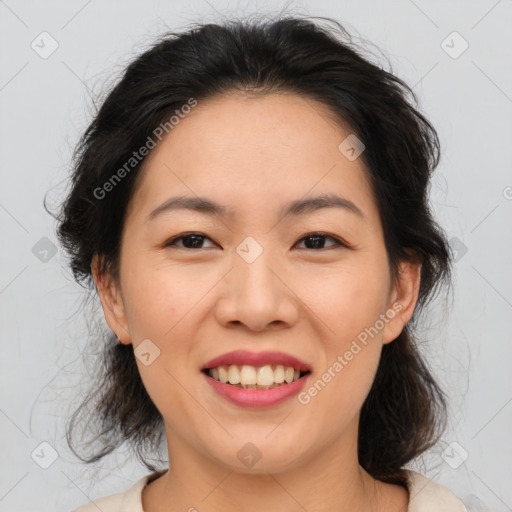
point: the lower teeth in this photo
(256, 386)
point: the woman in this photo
(251, 204)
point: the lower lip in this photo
(256, 397)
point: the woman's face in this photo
(251, 281)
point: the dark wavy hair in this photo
(405, 412)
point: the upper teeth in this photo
(262, 375)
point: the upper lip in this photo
(242, 357)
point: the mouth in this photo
(268, 376)
(256, 379)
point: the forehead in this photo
(251, 152)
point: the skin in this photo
(254, 154)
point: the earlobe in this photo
(111, 301)
(403, 300)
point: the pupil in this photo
(196, 238)
(316, 244)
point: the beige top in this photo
(424, 496)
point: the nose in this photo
(258, 294)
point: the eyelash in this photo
(337, 241)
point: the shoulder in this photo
(428, 496)
(127, 501)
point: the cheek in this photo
(347, 301)
(162, 311)
(339, 403)
(160, 307)
(158, 298)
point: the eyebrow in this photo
(297, 207)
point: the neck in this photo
(331, 481)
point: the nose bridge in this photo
(253, 262)
(256, 294)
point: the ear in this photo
(403, 299)
(112, 302)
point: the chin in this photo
(262, 466)
(259, 457)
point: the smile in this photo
(255, 377)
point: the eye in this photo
(195, 240)
(316, 240)
(191, 240)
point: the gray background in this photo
(45, 104)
